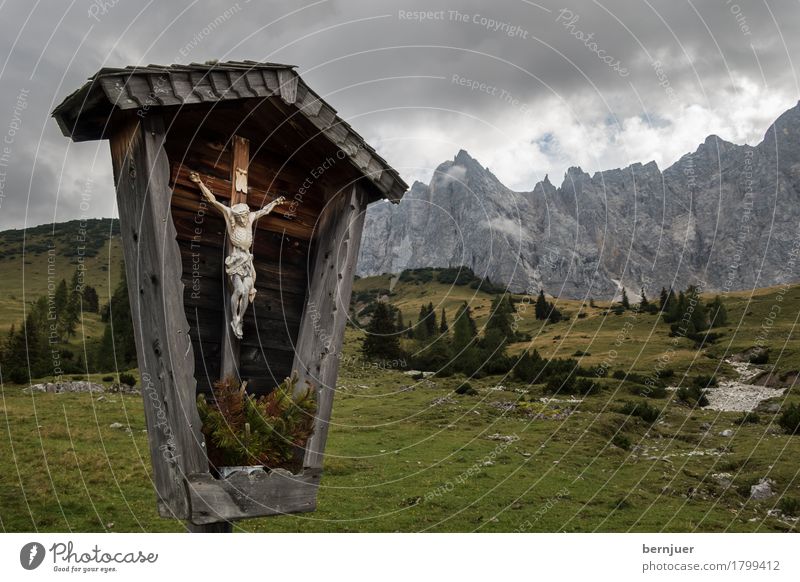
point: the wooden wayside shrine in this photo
(253, 132)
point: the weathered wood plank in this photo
(321, 334)
(287, 79)
(161, 331)
(242, 496)
(240, 161)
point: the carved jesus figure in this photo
(239, 267)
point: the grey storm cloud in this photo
(602, 82)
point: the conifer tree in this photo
(464, 329)
(499, 329)
(644, 303)
(717, 314)
(381, 341)
(401, 325)
(443, 327)
(541, 308)
(626, 304)
(662, 300)
(421, 329)
(91, 302)
(430, 321)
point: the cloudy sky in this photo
(528, 88)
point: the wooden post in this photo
(163, 345)
(319, 342)
(240, 162)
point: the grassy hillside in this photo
(31, 259)
(413, 455)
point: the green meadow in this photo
(408, 454)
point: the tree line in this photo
(39, 346)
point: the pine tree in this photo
(104, 358)
(60, 298)
(120, 330)
(541, 308)
(717, 314)
(699, 315)
(529, 367)
(421, 329)
(401, 325)
(499, 329)
(644, 303)
(430, 321)
(464, 329)
(676, 307)
(626, 304)
(29, 349)
(662, 300)
(91, 302)
(443, 327)
(74, 305)
(381, 341)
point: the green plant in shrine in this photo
(241, 429)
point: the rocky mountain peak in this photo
(637, 226)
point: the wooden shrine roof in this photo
(84, 114)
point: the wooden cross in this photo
(240, 162)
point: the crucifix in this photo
(239, 220)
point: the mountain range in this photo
(724, 217)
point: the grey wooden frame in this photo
(183, 483)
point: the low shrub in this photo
(692, 395)
(790, 419)
(557, 383)
(759, 357)
(790, 506)
(648, 391)
(748, 418)
(128, 379)
(108, 378)
(585, 387)
(622, 441)
(646, 412)
(704, 381)
(466, 389)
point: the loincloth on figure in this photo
(240, 263)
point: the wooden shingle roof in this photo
(84, 114)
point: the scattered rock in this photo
(61, 387)
(773, 380)
(418, 375)
(506, 438)
(762, 489)
(116, 425)
(723, 479)
(442, 400)
(726, 433)
(740, 395)
(769, 407)
(503, 406)
(706, 426)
